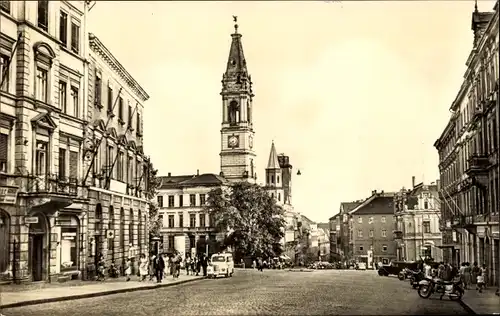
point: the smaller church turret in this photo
(274, 177)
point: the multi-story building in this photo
(186, 226)
(46, 109)
(115, 168)
(468, 155)
(370, 229)
(341, 236)
(324, 241)
(417, 214)
(336, 252)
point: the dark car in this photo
(395, 267)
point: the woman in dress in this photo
(143, 267)
(128, 269)
(151, 267)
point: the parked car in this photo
(361, 266)
(395, 267)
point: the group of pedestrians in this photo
(474, 275)
(197, 264)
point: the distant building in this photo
(417, 214)
(324, 241)
(339, 231)
(370, 229)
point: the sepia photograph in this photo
(249, 157)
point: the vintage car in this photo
(221, 264)
(395, 267)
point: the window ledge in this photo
(121, 121)
(72, 118)
(98, 105)
(111, 114)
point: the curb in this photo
(95, 294)
(469, 310)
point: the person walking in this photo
(204, 264)
(187, 263)
(474, 273)
(467, 275)
(198, 264)
(260, 264)
(128, 269)
(151, 267)
(159, 267)
(143, 267)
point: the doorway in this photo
(37, 257)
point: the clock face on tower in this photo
(233, 141)
(250, 141)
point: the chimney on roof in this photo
(197, 172)
(169, 174)
(374, 192)
(413, 181)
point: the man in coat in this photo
(159, 266)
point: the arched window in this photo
(122, 231)
(131, 227)
(4, 240)
(111, 228)
(234, 112)
(139, 230)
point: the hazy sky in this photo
(355, 93)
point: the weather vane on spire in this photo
(235, 19)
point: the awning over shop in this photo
(51, 205)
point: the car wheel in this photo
(401, 276)
(424, 291)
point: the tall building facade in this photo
(468, 155)
(237, 134)
(417, 218)
(46, 231)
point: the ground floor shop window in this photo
(69, 249)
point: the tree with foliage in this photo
(152, 185)
(249, 218)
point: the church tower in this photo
(274, 177)
(237, 156)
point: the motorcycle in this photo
(453, 289)
(405, 274)
(416, 277)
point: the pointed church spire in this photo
(236, 63)
(273, 162)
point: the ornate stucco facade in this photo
(48, 230)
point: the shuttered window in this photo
(43, 14)
(73, 164)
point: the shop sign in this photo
(31, 220)
(8, 195)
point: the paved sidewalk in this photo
(486, 303)
(9, 299)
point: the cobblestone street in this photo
(323, 292)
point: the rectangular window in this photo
(384, 248)
(75, 96)
(4, 152)
(130, 113)
(361, 248)
(202, 220)
(160, 219)
(110, 99)
(119, 166)
(382, 219)
(69, 249)
(192, 200)
(171, 241)
(75, 38)
(360, 220)
(181, 220)
(41, 86)
(5, 6)
(426, 227)
(192, 220)
(98, 91)
(360, 233)
(160, 201)
(73, 164)
(4, 71)
(202, 199)
(41, 158)
(170, 221)
(384, 233)
(63, 27)
(43, 14)
(120, 108)
(181, 200)
(138, 129)
(63, 97)
(370, 220)
(371, 233)
(170, 201)
(62, 163)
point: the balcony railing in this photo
(52, 184)
(477, 164)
